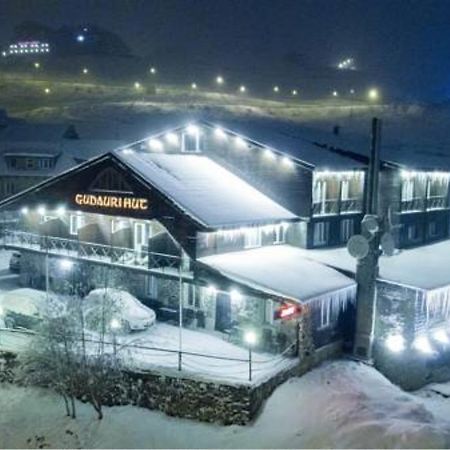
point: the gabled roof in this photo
(287, 137)
(205, 190)
(200, 188)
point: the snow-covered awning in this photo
(425, 268)
(284, 271)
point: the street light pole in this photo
(367, 267)
(180, 313)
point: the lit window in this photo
(345, 190)
(191, 142)
(76, 222)
(269, 311)
(279, 234)
(408, 190)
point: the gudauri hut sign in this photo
(111, 202)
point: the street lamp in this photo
(194, 86)
(251, 339)
(219, 80)
(37, 65)
(276, 89)
(242, 89)
(137, 85)
(373, 94)
(85, 70)
(153, 70)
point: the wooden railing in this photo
(91, 251)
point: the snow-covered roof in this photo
(67, 153)
(288, 137)
(280, 270)
(424, 267)
(205, 190)
(403, 150)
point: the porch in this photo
(141, 259)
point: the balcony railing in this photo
(350, 205)
(437, 202)
(424, 204)
(336, 206)
(326, 207)
(413, 204)
(105, 254)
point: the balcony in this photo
(336, 206)
(437, 202)
(418, 204)
(412, 205)
(141, 260)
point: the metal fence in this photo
(147, 357)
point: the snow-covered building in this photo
(31, 153)
(414, 180)
(197, 213)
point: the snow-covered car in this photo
(116, 310)
(26, 308)
(14, 262)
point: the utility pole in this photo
(367, 266)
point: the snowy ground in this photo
(165, 336)
(340, 404)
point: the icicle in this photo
(337, 300)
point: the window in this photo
(191, 143)
(347, 226)
(189, 294)
(152, 287)
(10, 187)
(279, 234)
(345, 190)
(325, 314)
(320, 192)
(45, 163)
(321, 230)
(30, 163)
(109, 180)
(269, 311)
(252, 237)
(76, 222)
(408, 190)
(118, 224)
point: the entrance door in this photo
(140, 236)
(223, 312)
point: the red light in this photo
(288, 311)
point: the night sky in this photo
(397, 42)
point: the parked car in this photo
(116, 310)
(14, 262)
(26, 308)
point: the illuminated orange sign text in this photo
(111, 201)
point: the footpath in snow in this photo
(341, 404)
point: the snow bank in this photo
(341, 404)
